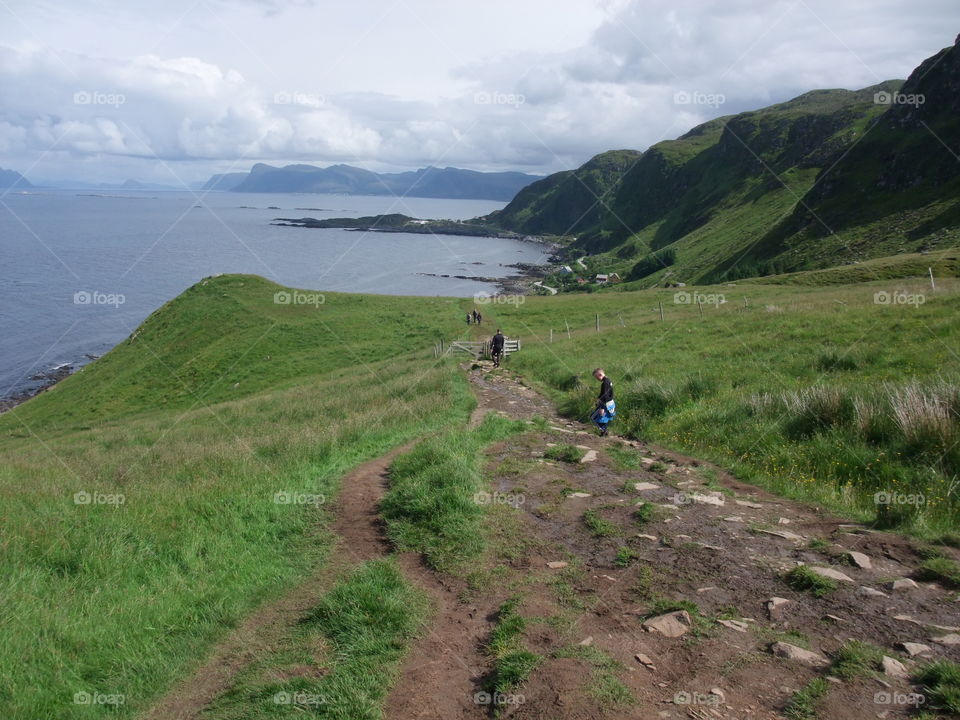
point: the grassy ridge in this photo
(121, 598)
(820, 394)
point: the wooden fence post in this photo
(700, 305)
(568, 328)
(598, 322)
(551, 336)
(661, 310)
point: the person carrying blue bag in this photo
(606, 408)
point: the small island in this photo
(399, 223)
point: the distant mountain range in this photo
(830, 177)
(11, 179)
(427, 182)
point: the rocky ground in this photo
(644, 570)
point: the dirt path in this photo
(666, 532)
(707, 542)
(360, 538)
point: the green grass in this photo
(857, 659)
(137, 592)
(941, 569)
(625, 458)
(803, 703)
(941, 685)
(599, 526)
(565, 453)
(341, 658)
(799, 389)
(513, 662)
(625, 557)
(803, 579)
(661, 606)
(437, 497)
(605, 685)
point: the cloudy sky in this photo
(169, 92)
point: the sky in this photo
(171, 92)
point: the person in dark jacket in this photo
(496, 347)
(606, 408)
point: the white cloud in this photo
(536, 109)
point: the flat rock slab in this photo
(913, 649)
(713, 498)
(557, 564)
(951, 639)
(673, 624)
(871, 592)
(579, 495)
(644, 486)
(830, 573)
(645, 661)
(734, 625)
(902, 584)
(775, 606)
(590, 456)
(734, 519)
(798, 654)
(785, 534)
(894, 668)
(860, 560)
(747, 503)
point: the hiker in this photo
(606, 408)
(468, 318)
(475, 315)
(478, 318)
(496, 347)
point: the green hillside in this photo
(567, 202)
(830, 177)
(180, 440)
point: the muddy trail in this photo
(651, 585)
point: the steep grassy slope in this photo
(152, 500)
(830, 177)
(567, 202)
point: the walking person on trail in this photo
(496, 347)
(468, 318)
(606, 408)
(478, 318)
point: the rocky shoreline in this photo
(44, 381)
